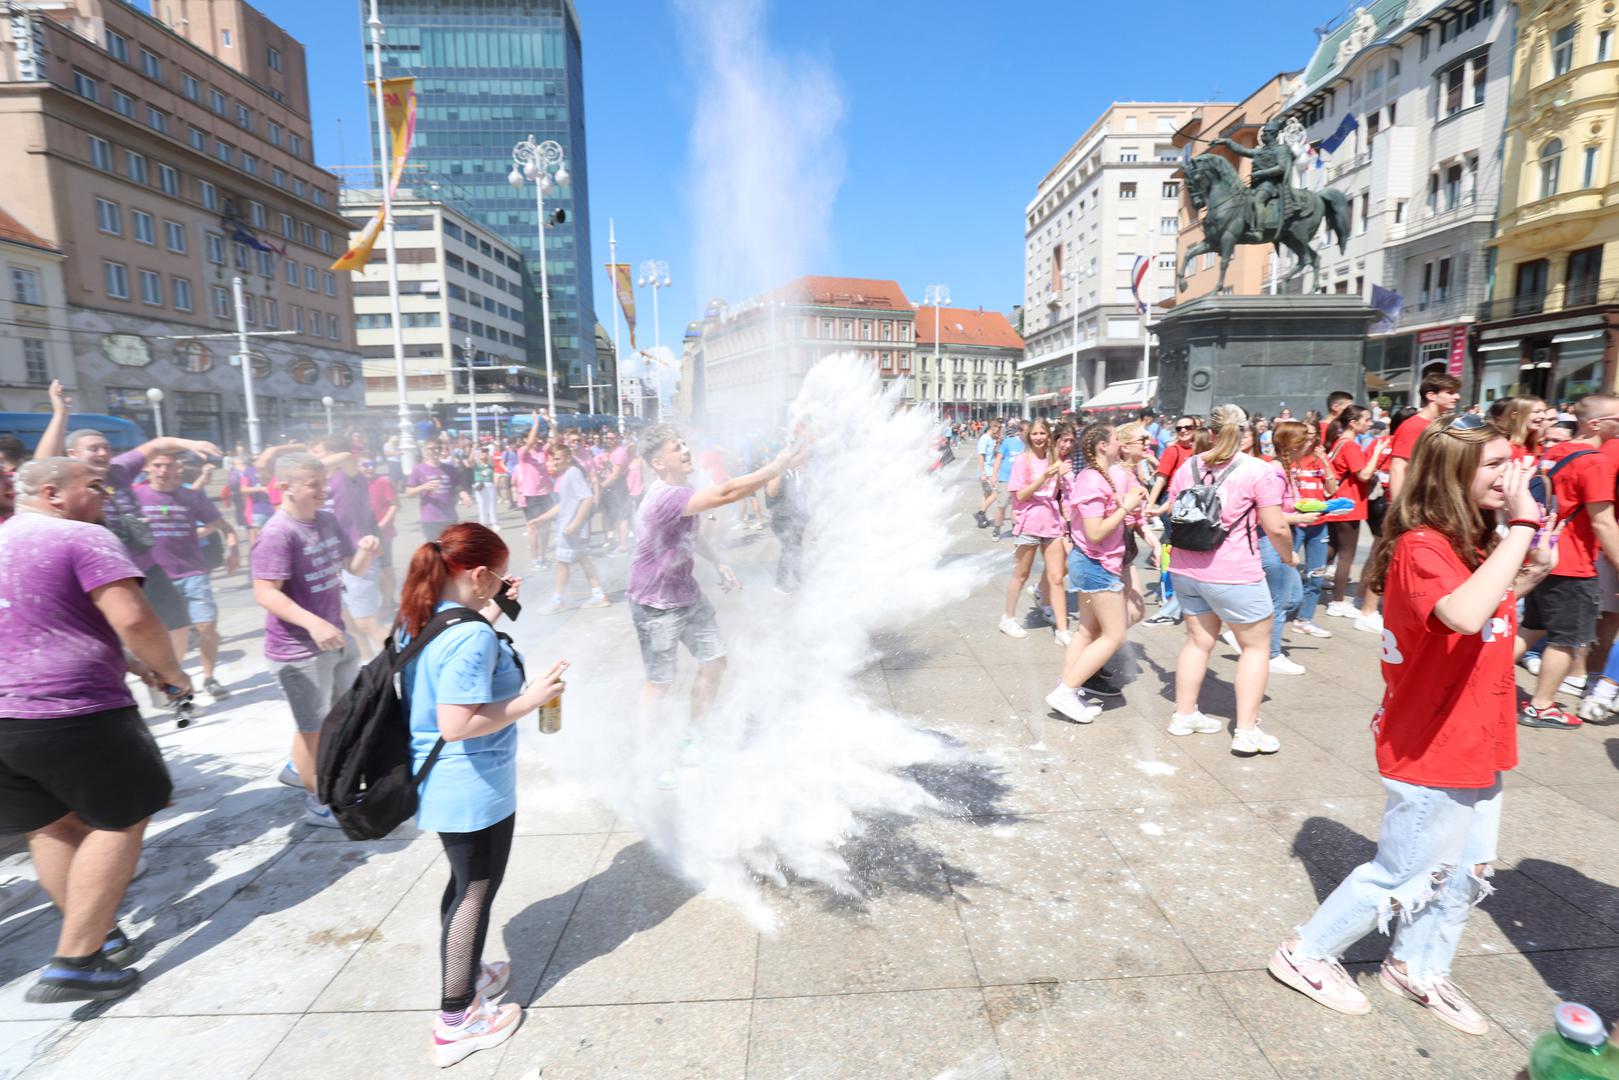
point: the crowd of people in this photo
(1493, 541)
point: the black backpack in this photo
(364, 769)
(1194, 517)
(1541, 489)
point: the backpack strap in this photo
(440, 622)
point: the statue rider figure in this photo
(1268, 176)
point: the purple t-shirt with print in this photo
(439, 504)
(666, 541)
(307, 557)
(121, 508)
(348, 498)
(60, 656)
(173, 517)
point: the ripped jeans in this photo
(1422, 879)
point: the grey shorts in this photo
(199, 595)
(986, 486)
(1235, 604)
(660, 630)
(362, 593)
(313, 686)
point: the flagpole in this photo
(618, 357)
(407, 435)
(1146, 309)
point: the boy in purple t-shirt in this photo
(666, 606)
(178, 518)
(298, 563)
(435, 484)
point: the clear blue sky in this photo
(952, 112)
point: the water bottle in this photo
(1577, 1048)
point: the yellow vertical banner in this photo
(624, 286)
(399, 107)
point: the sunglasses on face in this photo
(1178, 430)
(1468, 422)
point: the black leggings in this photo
(477, 864)
(1344, 538)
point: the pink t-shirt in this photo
(1039, 515)
(1123, 481)
(1093, 497)
(533, 474)
(1251, 484)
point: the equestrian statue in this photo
(1265, 211)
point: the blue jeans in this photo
(1286, 590)
(1312, 541)
(1422, 879)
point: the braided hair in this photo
(1093, 436)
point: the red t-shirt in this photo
(1347, 460)
(1173, 457)
(1586, 480)
(1405, 437)
(1310, 479)
(1449, 715)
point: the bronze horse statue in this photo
(1232, 217)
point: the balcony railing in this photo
(1568, 298)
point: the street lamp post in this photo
(472, 389)
(155, 396)
(1146, 310)
(328, 401)
(937, 296)
(655, 273)
(542, 163)
(1074, 277)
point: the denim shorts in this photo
(1031, 540)
(660, 630)
(1239, 605)
(1087, 575)
(199, 597)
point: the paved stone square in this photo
(1103, 904)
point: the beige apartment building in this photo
(966, 362)
(164, 160)
(34, 344)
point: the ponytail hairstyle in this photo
(1340, 423)
(1094, 435)
(1228, 422)
(458, 549)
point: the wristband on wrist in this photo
(1524, 521)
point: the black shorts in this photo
(535, 505)
(103, 766)
(1564, 607)
(165, 599)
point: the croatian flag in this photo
(1138, 274)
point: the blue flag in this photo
(1336, 139)
(1390, 304)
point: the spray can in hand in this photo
(551, 715)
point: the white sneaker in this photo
(1063, 637)
(1229, 638)
(1311, 628)
(597, 599)
(1531, 663)
(1573, 684)
(1254, 741)
(1072, 704)
(1343, 609)
(1281, 665)
(1195, 724)
(1594, 707)
(1370, 624)
(1010, 628)
(485, 1026)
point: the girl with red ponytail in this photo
(467, 687)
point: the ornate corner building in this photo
(1551, 325)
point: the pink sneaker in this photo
(1325, 981)
(485, 1026)
(1442, 999)
(492, 979)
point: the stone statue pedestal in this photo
(1261, 351)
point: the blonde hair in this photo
(1129, 433)
(1228, 422)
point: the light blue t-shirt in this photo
(474, 783)
(1011, 447)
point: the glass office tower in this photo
(489, 73)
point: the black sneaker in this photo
(118, 949)
(983, 521)
(215, 688)
(1102, 686)
(96, 979)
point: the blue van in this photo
(121, 434)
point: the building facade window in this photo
(328, 283)
(1127, 189)
(216, 249)
(109, 217)
(117, 46)
(135, 166)
(219, 302)
(292, 272)
(151, 65)
(198, 139)
(190, 87)
(142, 227)
(1551, 163)
(1589, 177)
(157, 119)
(35, 369)
(1562, 50)
(182, 294)
(151, 289)
(116, 275)
(24, 286)
(168, 180)
(86, 87)
(101, 153)
(273, 58)
(174, 236)
(123, 104)
(216, 101)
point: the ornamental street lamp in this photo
(155, 396)
(328, 401)
(542, 163)
(937, 296)
(655, 274)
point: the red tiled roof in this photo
(13, 230)
(845, 292)
(967, 326)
